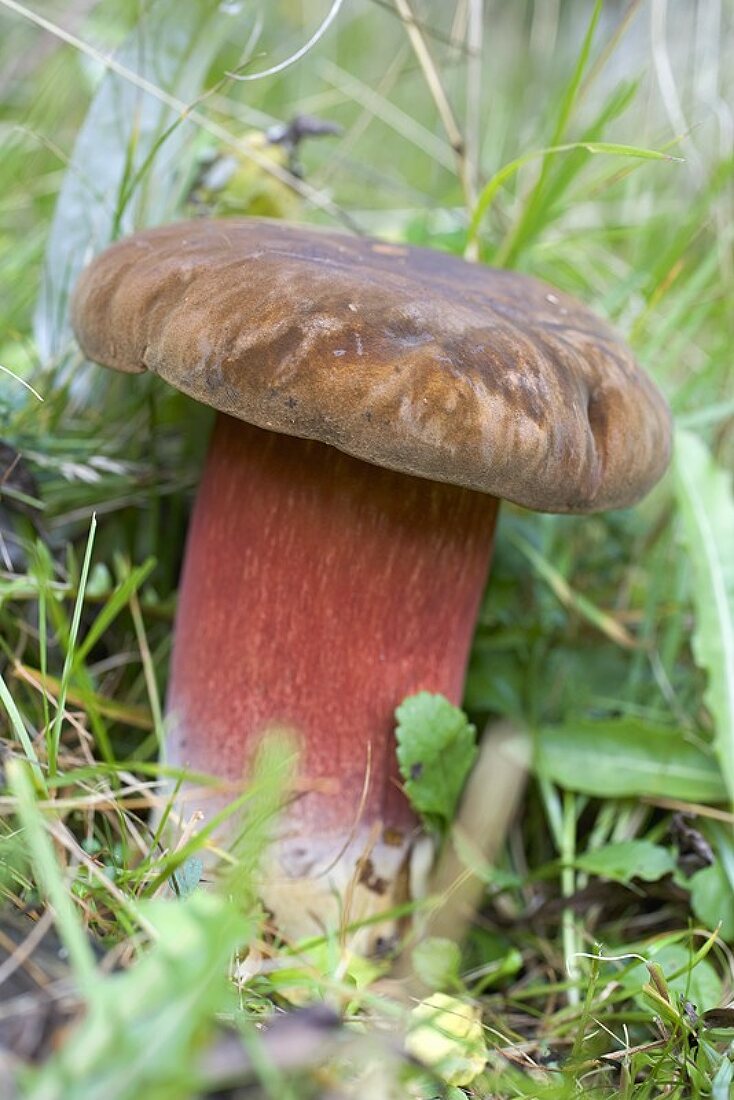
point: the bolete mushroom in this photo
(375, 401)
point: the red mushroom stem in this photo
(318, 591)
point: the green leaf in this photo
(706, 504)
(436, 750)
(696, 980)
(437, 962)
(188, 876)
(712, 899)
(17, 726)
(721, 1083)
(596, 148)
(104, 192)
(137, 1037)
(626, 758)
(564, 113)
(628, 859)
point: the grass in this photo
(600, 158)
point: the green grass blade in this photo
(51, 881)
(706, 504)
(566, 169)
(43, 568)
(709, 416)
(489, 191)
(54, 735)
(513, 241)
(570, 599)
(18, 727)
(118, 600)
(143, 1034)
(570, 95)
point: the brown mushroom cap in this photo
(404, 357)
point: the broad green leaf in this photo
(627, 757)
(436, 749)
(628, 859)
(706, 504)
(104, 193)
(188, 876)
(437, 962)
(712, 899)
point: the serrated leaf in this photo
(628, 859)
(706, 504)
(625, 758)
(172, 49)
(436, 750)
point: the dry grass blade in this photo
(229, 140)
(475, 111)
(300, 53)
(438, 93)
(392, 116)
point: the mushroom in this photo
(375, 401)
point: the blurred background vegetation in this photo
(609, 638)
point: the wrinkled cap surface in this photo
(401, 356)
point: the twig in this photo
(357, 130)
(474, 39)
(452, 41)
(438, 93)
(391, 115)
(24, 951)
